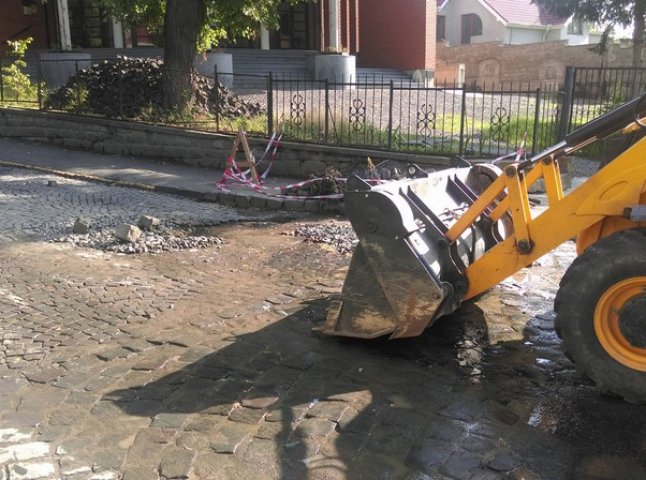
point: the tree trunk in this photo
(182, 24)
(638, 33)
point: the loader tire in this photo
(601, 314)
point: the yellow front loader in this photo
(432, 241)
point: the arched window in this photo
(471, 25)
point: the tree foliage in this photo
(220, 19)
(624, 13)
(191, 26)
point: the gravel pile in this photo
(130, 87)
(161, 240)
(341, 237)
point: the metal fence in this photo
(369, 113)
(590, 92)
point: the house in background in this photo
(508, 22)
(381, 34)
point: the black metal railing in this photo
(485, 121)
(595, 91)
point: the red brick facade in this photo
(398, 34)
(25, 19)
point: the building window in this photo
(440, 32)
(575, 27)
(29, 7)
(471, 25)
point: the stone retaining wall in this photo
(189, 147)
(532, 65)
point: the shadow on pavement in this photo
(297, 405)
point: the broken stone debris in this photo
(341, 237)
(164, 239)
(128, 233)
(81, 226)
(148, 222)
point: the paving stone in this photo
(417, 476)
(523, 474)
(428, 456)
(176, 463)
(503, 462)
(13, 435)
(485, 474)
(45, 376)
(151, 362)
(140, 473)
(252, 416)
(265, 455)
(169, 420)
(460, 465)
(261, 402)
(192, 441)
(105, 409)
(465, 412)
(328, 410)
(24, 451)
(477, 444)
(31, 471)
(11, 384)
(503, 415)
(228, 436)
(74, 467)
(272, 431)
(110, 460)
(114, 353)
(314, 427)
(447, 430)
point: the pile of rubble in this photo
(149, 236)
(131, 87)
(340, 236)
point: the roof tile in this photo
(524, 12)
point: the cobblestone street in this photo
(202, 363)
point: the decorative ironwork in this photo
(500, 124)
(297, 109)
(426, 120)
(357, 115)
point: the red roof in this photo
(524, 12)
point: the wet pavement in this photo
(203, 364)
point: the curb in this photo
(238, 200)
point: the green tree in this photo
(192, 26)
(16, 82)
(607, 12)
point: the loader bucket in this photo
(404, 273)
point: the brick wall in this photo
(13, 20)
(535, 64)
(193, 148)
(398, 34)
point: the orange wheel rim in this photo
(607, 325)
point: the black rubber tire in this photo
(612, 259)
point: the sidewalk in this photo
(187, 180)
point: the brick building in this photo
(381, 33)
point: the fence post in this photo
(39, 79)
(1, 82)
(537, 118)
(216, 79)
(463, 119)
(391, 100)
(78, 88)
(120, 84)
(327, 110)
(568, 103)
(270, 104)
